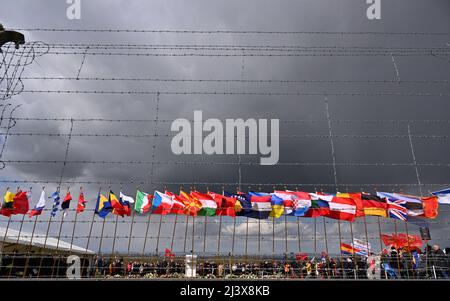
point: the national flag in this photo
(413, 204)
(302, 202)
(56, 198)
(288, 201)
(226, 205)
(261, 205)
(397, 209)
(402, 240)
(178, 206)
(319, 206)
(278, 206)
(162, 203)
(21, 204)
(430, 207)
(348, 249)
(39, 207)
(363, 247)
(243, 202)
(117, 207)
(340, 208)
(103, 206)
(443, 196)
(357, 198)
(168, 253)
(126, 202)
(7, 206)
(142, 204)
(192, 206)
(416, 259)
(374, 205)
(81, 203)
(66, 203)
(209, 206)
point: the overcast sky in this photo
(299, 115)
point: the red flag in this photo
(430, 207)
(20, 205)
(66, 202)
(168, 253)
(225, 205)
(342, 209)
(81, 203)
(402, 240)
(178, 206)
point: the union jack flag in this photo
(397, 209)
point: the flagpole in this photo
(298, 228)
(353, 250)
(7, 227)
(73, 230)
(234, 227)
(173, 233)
(193, 231)
(326, 244)
(115, 226)
(398, 259)
(340, 252)
(409, 247)
(204, 230)
(32, 235)
(103, 226)
(159, 233)
(75, 222)
(132, 221)
(159, 228)
(220, 224)
(90, 230)
(48, 230)
(18, 238)
(59, 236)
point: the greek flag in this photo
(55, 197)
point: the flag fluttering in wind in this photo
(56, 198)
(178, 206)
(208, 205)
(119, 207)
(103, 206)
(168, 253)
(225, 205)
(66, 203)
(143, 202)
(443, 196)
(7, 206)
(402, 240)
(39, 207)
(162, 203)
(81, 203)
(126, 202)
(261, 205)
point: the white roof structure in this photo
(12, 236)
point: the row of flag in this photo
(260, 205)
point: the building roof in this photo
(12, 236)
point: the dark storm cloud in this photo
(401, 16)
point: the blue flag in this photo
(56, 198)
(246, 204)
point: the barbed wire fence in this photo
(14, 84)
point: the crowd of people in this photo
(431, 263)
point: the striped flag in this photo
(56, 198)
(39, 206)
